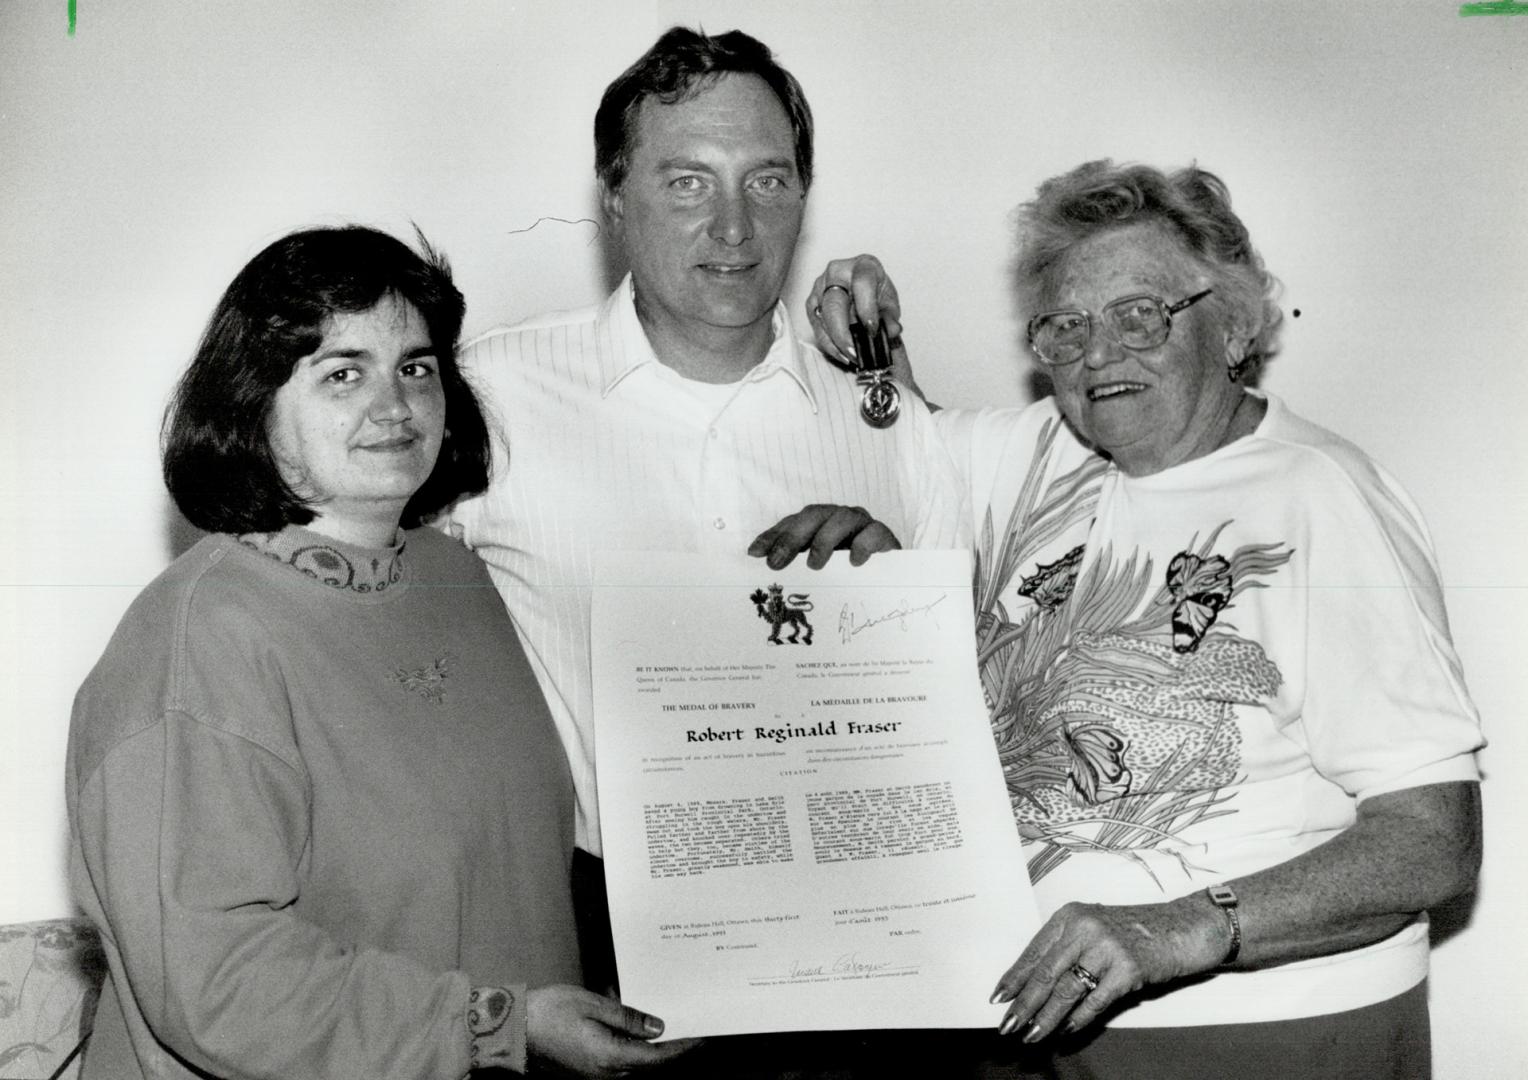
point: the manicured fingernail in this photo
(756, 548)
(1009, 1025)
(997, 996)
(1033, 1034)
(652, 1025)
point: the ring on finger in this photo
(841, 288)
(1086, 977)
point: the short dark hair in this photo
(681, 64)
(1193, 204)
(216, 450)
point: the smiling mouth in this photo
(402, 442)
(1114, 390)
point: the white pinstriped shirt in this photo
(598, 446)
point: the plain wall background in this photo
(1377, 151)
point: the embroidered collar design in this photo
(329, 562)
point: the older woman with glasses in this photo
(1238, 745)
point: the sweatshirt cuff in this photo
(496, 1027)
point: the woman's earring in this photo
(1236, 365)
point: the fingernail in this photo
(997, 996)
(776, 560)
(652, 1025)
(756, 548)
(1009, 1025)
(1033, 1034)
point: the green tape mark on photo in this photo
(1495, 7)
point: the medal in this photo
(880, 398)
(880, 401)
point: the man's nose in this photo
(732, 223)
(389, 403)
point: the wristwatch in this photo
(1224, 897)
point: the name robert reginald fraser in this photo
(782, 734)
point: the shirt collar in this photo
(624, 348)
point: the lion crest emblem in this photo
(778, 608)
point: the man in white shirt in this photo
(683, 413)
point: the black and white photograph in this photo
(521, 514)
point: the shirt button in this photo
(712, 433)
(720, 523)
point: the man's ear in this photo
(610, 204)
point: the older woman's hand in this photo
(858, 287)
(1120, 947)
(1408, 851)
(849, 287)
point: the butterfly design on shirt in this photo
(1200, 587)
(428, 682)
(1051, 583)
(1098, 771)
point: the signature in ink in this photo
(851, 964)
(846, 964)
(850, 624)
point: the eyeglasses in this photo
(1136, 322)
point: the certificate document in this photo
(805, 822)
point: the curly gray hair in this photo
(1192, 203)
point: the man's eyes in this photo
(769, 184)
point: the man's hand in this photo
(857, 287)
(573, 1032)
(820, 530)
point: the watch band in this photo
(1224, 897)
